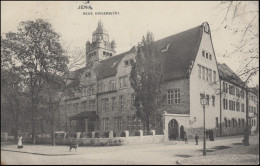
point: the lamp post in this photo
(203, 102)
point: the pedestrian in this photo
(20, 143)
(196, 139)
(183, 135)
(207, 134)
(186, 138)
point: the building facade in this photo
(100, 97)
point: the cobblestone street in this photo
(229, 149)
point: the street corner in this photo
(232, 159)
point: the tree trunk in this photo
(52, 134)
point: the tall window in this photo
(231, 90)
(214, 76)
(84, 91)
(203, 73)
(242, 107)
(134, 123)
(84, 105)
(207, 97)
(243, 94)
(225, 87)
(113, 104)
(225, 122)
(129, 123)
(122, 82)
(210, 75)
(105, 105)
(91, 90)
(112, 85)
(213, 100)
(101, 88)
(119, 123)
(121, 103)
(92, 105)
(207, 74)
(216, 122)
(115, 123)
(170, 97)
(177, 95)
(225, 104)
(238, 106)
(237, 92)
(199, 67)
(105, 123)
(203, 53)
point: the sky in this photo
(135, 18)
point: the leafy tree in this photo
(38, 53)
(146, 79)
(13, 99)
(55, 86)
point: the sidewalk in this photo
(233, 153)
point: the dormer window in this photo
(126, 63)
(88, 74)
(132, 62)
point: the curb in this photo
(42, 154)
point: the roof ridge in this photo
(178, 33)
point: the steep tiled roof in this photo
(178, 51)
(74, 76)
(227, 74)
(108, 67)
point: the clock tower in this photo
(100, 48)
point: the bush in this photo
(106, 134)
(137, 133)
(97, 135)
(122, 134)
(83, 135)
(89, 135)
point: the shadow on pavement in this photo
(42, 154)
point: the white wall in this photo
(198, 86)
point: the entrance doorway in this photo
(173, 132)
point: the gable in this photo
(177, 52)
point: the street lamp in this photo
(203, 102)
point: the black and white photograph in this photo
(129, 82)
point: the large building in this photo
(100, 97)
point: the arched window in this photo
(243, 122)
(229, 123)
(233, 122)
(254, 122)
(239, 122)
(225, 119)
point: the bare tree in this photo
(241, 18)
